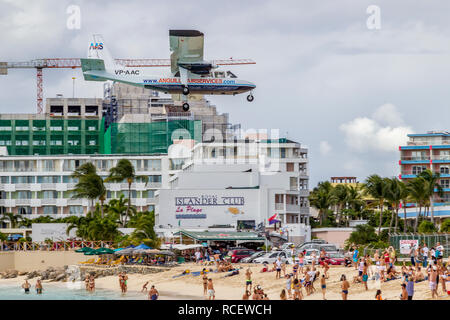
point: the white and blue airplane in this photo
(190, 74)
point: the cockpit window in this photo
(220, 74)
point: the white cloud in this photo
(388, 114)
(324, 148)
(368, 134)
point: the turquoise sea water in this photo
(64, 291)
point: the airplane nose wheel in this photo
(250, 98)
(185, 91)
(186, 106)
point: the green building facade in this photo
(48, 136)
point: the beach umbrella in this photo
(84, 249)
(139, 251)
(104, 251)
(166, 253)
(118, 249)
(125, 252)
(90, 253)
(142, 246)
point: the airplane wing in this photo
(187, 49)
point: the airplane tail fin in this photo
(98, 58)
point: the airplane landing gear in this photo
(185, 90)
(185, 106)
(250, 98)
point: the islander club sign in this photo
(193, 207)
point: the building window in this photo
(50, 209)
(24, 210)
(75, 210)
(445, 183)
(49, 179)
(283, 153)
(418, 169)
(22, 179)
(419, 155)
(289, 166)
(444, 170)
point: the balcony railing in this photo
(411, 158)
(279, 206)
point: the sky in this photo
(343, 81)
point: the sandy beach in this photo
(227, 288)
(190, 286)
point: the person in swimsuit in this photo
(344, 286)
(283, 295)
(323, 285)
(365, 276)
(86, 282)
(38, 286)
(211, 291)
(26, 286)
(289, 284)
(301, 262)
(326, 267)
(248, 282)
(297, 286)
(153, 294)
(246, 295)
(404, 294)
(91, 284)
(295, 270)
(378, 295)
(205, 282)
(144, 287)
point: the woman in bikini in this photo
(91, 284)
(344, 286)
(297, 286)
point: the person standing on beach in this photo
(365, 275)
(38, 286)
(404, 294)
(289, 284)
(278, 264)
(26, 286)
(86, 282)
(211, 291)
(205, 282)
(91, 284)
(412, 253)
(323, 285)
(425, 252)
(344, 286)
(355, 257)
(248, 282)
(410, 286)
(125, 278)
(153, 294)
(432, 278)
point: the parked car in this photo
(334, 258)
(255, 255)
(287, 245)
(328, 247)
(237, 254)
(271, 257)
(309, 256)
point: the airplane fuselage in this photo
(173, 85)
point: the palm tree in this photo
(375, 186)
(355, 200)
(124, 170)
(322, 197)
(394, 196)
(12, 218)
(417, 189)
(432, 180)
(118, 208)
(340, 195)
(404, 197)
(90, 185)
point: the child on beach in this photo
(323, 285)
(297, 286)
(365, 276)
(211, 291)
(246, 295)
(301, 262)
(205, 283)
(283, 295)
(144, 287)
(248, 282)
(278, 264)
(326, 267)
(378, 295)
(289, 284)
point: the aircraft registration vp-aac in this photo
(189, 73)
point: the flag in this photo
(273, 219)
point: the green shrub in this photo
(427, 227)
(445, 226)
